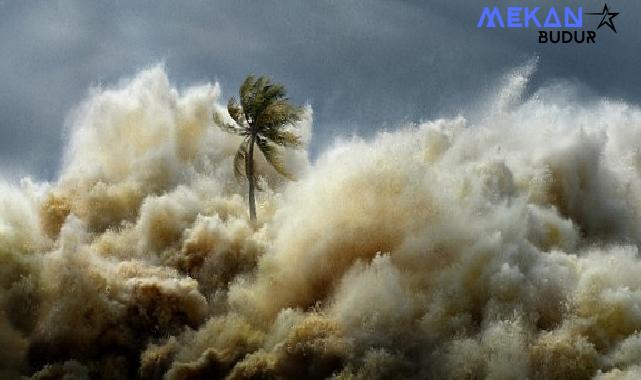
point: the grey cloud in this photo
(364, 65)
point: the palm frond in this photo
(282, 138)
(256, 94)
(260, 84)
(235, 111)
(247, 94)
(246, 88)
(273, 156)
(266, 95)
(230, 128)
(273, 92)
(239, 160)
(277, 115)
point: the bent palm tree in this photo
(261, 118)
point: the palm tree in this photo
(262, 118)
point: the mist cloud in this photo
(501, 248)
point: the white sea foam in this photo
(503, 249)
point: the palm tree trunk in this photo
(249, 169)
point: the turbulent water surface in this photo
(503, 248)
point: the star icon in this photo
(607, 18)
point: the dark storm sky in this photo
(362, 64)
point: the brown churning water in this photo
(506, 248)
